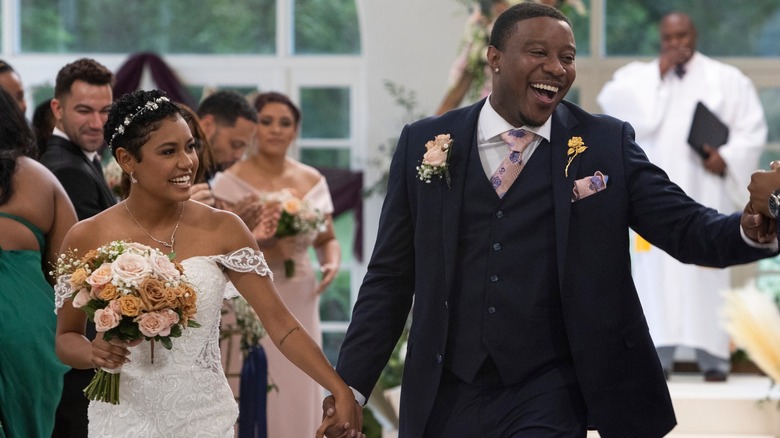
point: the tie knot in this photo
(517, 139)
(679, 70)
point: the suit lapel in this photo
(100, 179)
(464, 137)
(562, 123)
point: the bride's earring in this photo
(496, 70)
(132, 178)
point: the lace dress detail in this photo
(184, 392)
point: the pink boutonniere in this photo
(576, 147)
(435, 162)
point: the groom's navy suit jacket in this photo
(613, 356)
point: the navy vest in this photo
(506, 300)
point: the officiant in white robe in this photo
(658, 98)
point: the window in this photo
(632, 26)
(326, 27)
(168, 26)
(307, 49)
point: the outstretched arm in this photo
(288, 334)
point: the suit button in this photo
(494, 278)
(499, 214)
(496, 247)
(439, 358)
(491, 310)
(446, 304)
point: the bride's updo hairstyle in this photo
(133, 117)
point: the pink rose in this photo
(100, 276)
(131, 268)
(152, 324)
(106, 319)
(115, 306)
(164, 269)
(81, 299)
(437, 150)
(138, 248)
(435, 157)
(172, 316)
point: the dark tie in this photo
(98, 167)
(509, 170)
(679, 70)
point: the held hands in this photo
(762, 184)
(333, 425)
(757, 227)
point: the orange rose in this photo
(91, 257)
(292, 206)
(130, 305)
(78, 278)
(188, 303)
(107, 292)
(152, 293)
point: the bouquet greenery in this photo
(298, 217)
(131, 292)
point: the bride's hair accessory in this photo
(148, 106)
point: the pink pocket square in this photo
(589, 185)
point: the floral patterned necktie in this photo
(507, 172)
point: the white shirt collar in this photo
(59, 133)
(491, 124)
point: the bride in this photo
(184, 392)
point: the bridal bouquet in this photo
(298, 217)
(131, 292)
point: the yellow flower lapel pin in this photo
(576, 147)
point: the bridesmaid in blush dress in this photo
(295, 406)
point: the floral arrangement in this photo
(406, 100)
(247, 324)
(576, 147)
(131, 292)
(436, 159)
(298, 217)
(476, 38)
(753, 321)
(113, 174)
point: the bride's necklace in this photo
(161, 242)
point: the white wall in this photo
(412, 43)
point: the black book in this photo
(706, 128)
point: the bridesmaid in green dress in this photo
(35, 214)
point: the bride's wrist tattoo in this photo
(288, 334)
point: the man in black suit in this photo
(82, 95)
(526, 321)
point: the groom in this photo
(526, 321)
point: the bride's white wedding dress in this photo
(184, 393)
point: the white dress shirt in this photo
(492, 148)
